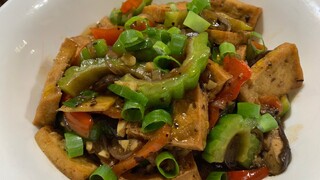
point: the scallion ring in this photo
(267, 123)
(196, 22)
(167, 165)
(74, 145)
(165, 62)
(103, 172)
(227, 48)
(161, 48)
(129, 94)
(101, 48)
(132, 111)
(177, 43)
(133, 20)
(155, 120)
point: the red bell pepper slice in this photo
(130, 5)
(241, 72)
(79, 122)
(110, 35)
(255, 174)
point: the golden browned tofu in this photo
(52, 144)
(157, 12)
(275, 74)
(190, 118)
(190, 121)
(51, 94)
(236, 38)
(238, 10)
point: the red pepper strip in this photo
(255, 174)
(129, 5)
(241, 72)
(110, 35)
(159, 140)
(271, 102)
(79, 122)
(214, 113)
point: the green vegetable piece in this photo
(84, 96)
(196, 22)
(248, 110)
(167, 165)
(164, 62)
(132, 111)
(249, 148)
(174, 30)
(228, 127)
(129, 94)
(177, 44)
(85, 54)
(101, 48)
(133, 20)
(174, 18)
(227, 48)
(77, 79)
(252, 50)
(144, 3)
(236, 25)
(160, 93)
(197, 6)
(103, 172)
(127, 39)
(216, 175)
(155, 120)
(285, 104)
(74, 145)
(161, 48)
(267, 123)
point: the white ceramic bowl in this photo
(31, 32)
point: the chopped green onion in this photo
(74, 145)
(100, 47)
(84, 96)
(177, 43)
(155, 120)
(133, 20)
(127, 39)
(103, 172)
(216, 175)
(167, 165)
(161, 48)
(248, 110)
(196, 22)
(285, 103)
(267, 123)
(164, 62)
(174, 18)
(139, 9)
(129, 94)
(227, 48)
(252, 50)
(197, 6)
(132, 111)
(85, 54)
(174, 30)
(117, 18)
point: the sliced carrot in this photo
(159, 140)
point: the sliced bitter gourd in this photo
(221, 135)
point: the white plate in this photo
(31, 32)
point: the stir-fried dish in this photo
(183, 90)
